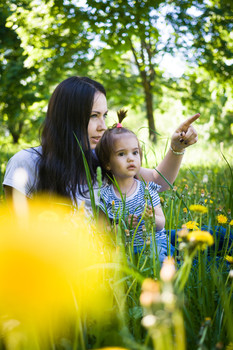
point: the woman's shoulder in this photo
(26, 155)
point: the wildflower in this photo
(192, 225)
(148, 321)
(202, 193)
(222, 219)
(201, 239)
(186, 187)
(161, 200)
(231, 223)
(205, 178)
(43, 259)
(198, 208)
(231, 274)
(127, 233)
(150, 292)
(174, 188)
(185, 210)
(168, 270)
(151, 285)
(229, 259)
(183, 233)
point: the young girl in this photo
(120, 156)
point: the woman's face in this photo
(96, 125)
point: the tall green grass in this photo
(191, 310)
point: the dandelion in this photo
(192, 225)
(201, 239)
(222, 219)
(229, 259)
(231, 223)
(185, 210)
(43, 264)
(198, 208)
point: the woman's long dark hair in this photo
(61, 169)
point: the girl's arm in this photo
(183, 137)
(159, 218)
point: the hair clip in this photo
(119, 125)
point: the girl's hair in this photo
(105, 146)
(61, 167)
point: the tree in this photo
(203, 32)
(42, 43)
(132, 26)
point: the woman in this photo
(77, 111)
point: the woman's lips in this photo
(96, 139)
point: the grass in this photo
(186, 305)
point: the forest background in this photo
(162, 60)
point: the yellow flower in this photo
(201, 239)
(222, 219)
(231, 223)
(198, 208)
(229, 259)
(46, 260)
(192, 225)
(185, 210)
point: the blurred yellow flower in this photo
(198, 208)
(185, 210)
(229, 259)
(231, 223)
(49, 265)
(201, 239)
(192, 225)
(222, 219)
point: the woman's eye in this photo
(94, 116)
(135, 153)
(105, 116)
(120, 154)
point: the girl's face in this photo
(125, 160)
(96, 125)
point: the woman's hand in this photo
(185, 135)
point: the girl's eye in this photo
(93, 115)
(121, 154)
(105, 116)
(135, 153)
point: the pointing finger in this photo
(185, 125)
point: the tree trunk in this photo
(149, 112)
(16, 131)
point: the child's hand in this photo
(132, 220)
(185, 135)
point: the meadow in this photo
(123, 300)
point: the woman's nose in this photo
(101, 124)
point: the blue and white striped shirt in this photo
(133, 204)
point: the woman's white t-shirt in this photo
(27, 160)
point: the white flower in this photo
(148, 321)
